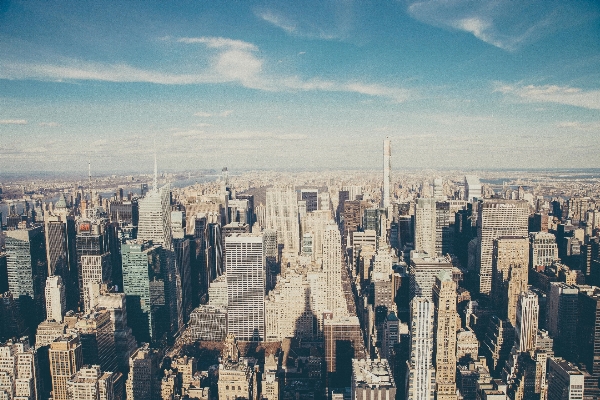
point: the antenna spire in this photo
(90, 178)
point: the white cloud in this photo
(225, 113)
(553, 94)
(505, 24)
(49, 124)
(220, 42)
(233, 61)
(203, 114)
(13, 122)
(279, 21)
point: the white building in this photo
(425, 226)
(19, 374)
(472, 188)
(421, 373)
(55, 298)
(544, 250)
(528, 312)
(282, 216)
(332, 267)
(245, 265)
(155, 217)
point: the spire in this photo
(155, 183)
(90, 179)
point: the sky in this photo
(298, 84)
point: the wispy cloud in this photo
(240, 135)
(278, 21)
(580, 126)
(502, 23)
(553, 94)
(219, 42)
(13, 122)
(49, 124)
(205, 114)
(231, 61)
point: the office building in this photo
(95, 269)
(155, 217)
(91, 383)
(143, 380)
(311, 197)
(282, 216)
(423, 270)
(97, 338)
(245, 264)
(588, 330)
(56, 300)
(19, 373)
(421, 372)
(372, 379)
(66, 358)
(509, 274)
(208, 323)
(92, 240)
(27, 271)
(444, 300)
(343, 342)
(562, 312)
(425, 226)
(497, 218)
(332, 267)
(565, 381)
(544, 250)
(144, 273)
(526, 327)
(472, 188)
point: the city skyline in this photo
(319, 85)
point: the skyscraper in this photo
(55, 298)
(387, 166)
(472, 188)
(425, 226)
(496, 218)
(421, 373)
(245, 266)
(66, 358)
(282, 216)
(90, 383)
(155, 217)
(509, 274)
(444, 299)
(527, 322)
(27, 271)
(144, 268)
(92, 240)
(332, 267)
(142, 382)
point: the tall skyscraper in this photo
(332, 267)
(282, 216)
(588, 330)
(496, 218)
(444, 299)
(421, 373)
(562, 312)
(155, 217)
(472, 188)
(423, 271)
(509, 274)
(144, 267)
(66, 358)
(245, 266)
(92, 240)
(425, 227)
(544, 250)
(27, 271)
(526, 327)
(55, 298)
(94, 269)
(565, 380)
(387, 166)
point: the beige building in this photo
(90, 383)
(235, 380)
(510, 272)
(66, 358)
(143, 382)
(444, 299)
(19, 374)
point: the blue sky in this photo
(454, 84)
